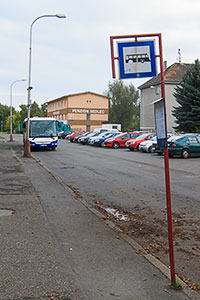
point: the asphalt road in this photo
(134, 183)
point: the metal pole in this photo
(27, 149)
(166, 155)
(167, 176)
(11, 137)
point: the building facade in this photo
(151, 91)
(84, 111)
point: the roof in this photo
(77, 94)
(40, 119)
(172, 74)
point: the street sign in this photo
(136, 59)
(160, 122)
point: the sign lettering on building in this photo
(97, 111)
(88, 111)
(80, 111)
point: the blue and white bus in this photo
(42, 132)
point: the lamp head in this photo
(60, 16)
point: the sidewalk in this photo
(31, 264)
(53, 246)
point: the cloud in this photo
(73, 54)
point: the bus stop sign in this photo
(136, 59)
(160, 122)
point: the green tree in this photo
(23, 112)
(135, 123)
(35, 110)
(44, 109)
(187, 95)
(4, 113)
(15, 122)
(123, 103)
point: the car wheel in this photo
(150, 149)
(116, 145)
(185, 153)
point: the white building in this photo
(151, 91)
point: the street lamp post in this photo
(27, 149)
(11, 137)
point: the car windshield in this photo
(85, 133)
(91, 134)
(176, 138)
(103, 134)
(116, 134)
(42, 128)
(141, 137)
(154, 138)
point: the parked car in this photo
(184, 146)
(78, 136)
(68, 136)
(63, 134)
(84, 139)
(134, 145)
(120, 140)
(73, 135)
(158, 150)
(60, 134)
(99, 140)
(98, 136)
(147, 145)
(84, 134)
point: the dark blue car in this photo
(99, 141)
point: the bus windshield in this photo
(42, 128)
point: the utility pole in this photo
(179, 55)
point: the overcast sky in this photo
(72, 55)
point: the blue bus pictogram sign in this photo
(136, 59)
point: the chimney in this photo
(165, 65)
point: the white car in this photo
(95, 139)
(147, 146)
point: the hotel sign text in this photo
(88, 111)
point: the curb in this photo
(137, 247)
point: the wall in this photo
(84, 111)
(149, 95)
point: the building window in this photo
(87, 127)
(62, 103)
(88, 117)
(65, 102)
(65, 116)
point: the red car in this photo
(73, 135)
(120, 141)
(133, 145)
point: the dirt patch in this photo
(152, 234)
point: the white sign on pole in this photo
(136, 59)
(160, 122)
